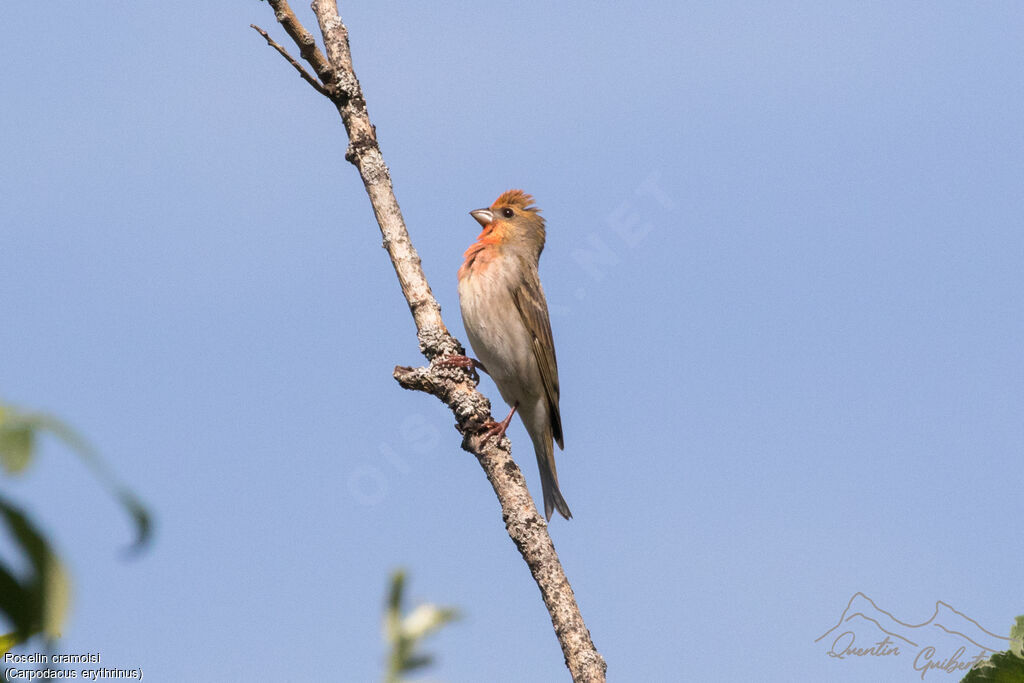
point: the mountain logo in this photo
(949, 641)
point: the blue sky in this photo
(784, 271)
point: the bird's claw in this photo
(492, 428)
(464, 362)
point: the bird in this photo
(506, 319)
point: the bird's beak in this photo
(483, 216)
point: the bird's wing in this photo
(533, 309)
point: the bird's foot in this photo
(464, 362)
(498, 428)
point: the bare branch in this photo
(303, 39)
(298, 67)
(454, 386)
(364, 152)
(335, 34)
(525, 525)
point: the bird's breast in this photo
(495, 328)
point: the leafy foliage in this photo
(1003, 667)
(19, 432)
(35, 601)
(405, 632)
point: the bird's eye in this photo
(507, 213)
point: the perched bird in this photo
(506, 319)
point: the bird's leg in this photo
(471, 364)
(498, 428)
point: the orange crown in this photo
(516, 198)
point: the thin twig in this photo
(298, 67)
(454, 386)
(304, 40)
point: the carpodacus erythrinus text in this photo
(506, 319)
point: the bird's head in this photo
(512, 220)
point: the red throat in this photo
(483, 251)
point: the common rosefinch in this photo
(506, 319)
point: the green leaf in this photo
(40, 422)
(56, 597)
(140, 516)
(393, 608)
(15, 601)
(1017, 637)
(404, 633)
(17, 441)
(396, 590)
(413, 662)
(427, 619)
(1002, 667)
(39, 602)
(7, 641)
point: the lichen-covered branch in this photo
(525, 525)
(456, 387)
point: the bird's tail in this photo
(553, 500)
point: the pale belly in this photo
(499, 338)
